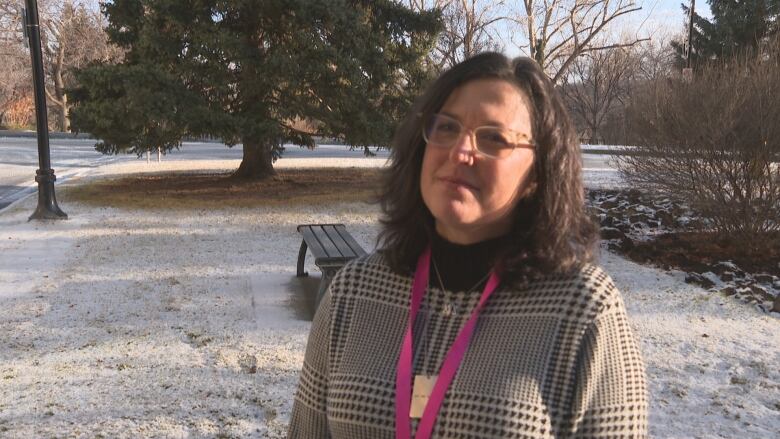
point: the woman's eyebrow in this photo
(448, 114)
(492, 123)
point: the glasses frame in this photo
(472, 133)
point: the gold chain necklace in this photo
(447, 311)
(449, 307)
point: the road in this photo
(69, 157)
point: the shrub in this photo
(714, 142)
(19, 113)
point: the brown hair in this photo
(551, 231)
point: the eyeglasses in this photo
(494, 142)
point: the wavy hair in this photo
(551, 231)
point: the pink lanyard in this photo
(403, 384)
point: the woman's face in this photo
(471, 196)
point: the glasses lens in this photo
(494, 142)
(442, 130)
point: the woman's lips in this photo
(457, 183)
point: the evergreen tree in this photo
(246, 70)
(737, 26)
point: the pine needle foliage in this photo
(247, 71)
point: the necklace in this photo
(449, 308)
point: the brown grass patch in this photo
(188, 190)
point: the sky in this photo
(659, 20)
(668, 14)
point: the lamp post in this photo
(47, 203)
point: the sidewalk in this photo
(121, 323)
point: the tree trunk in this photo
(59, 91)
(257, 162)
(64, 120)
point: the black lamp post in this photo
(47, 203)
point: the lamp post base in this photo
(47, 203)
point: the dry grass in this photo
(188, 190)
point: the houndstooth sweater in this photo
(553, 358)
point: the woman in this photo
(482, 315)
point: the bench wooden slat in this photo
(338, 240)
(312, 241)
(330, 249)
(356, 248)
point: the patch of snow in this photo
(709, 358)
(587, 146)
(730, 265)
(598, 178)
(135, 324)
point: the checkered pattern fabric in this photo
(552, 358)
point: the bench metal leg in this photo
(327, 276)
(301, 259)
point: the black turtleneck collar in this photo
(463, 266)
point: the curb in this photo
(32, 189)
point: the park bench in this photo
(332, 247)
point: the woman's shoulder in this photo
(373, 263)
(369, 275)
(584, 292)
(597, 284)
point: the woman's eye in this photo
(494, 137)
(447, 128)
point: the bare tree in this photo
(556, 32)
(71, 37)
(596, 86)
(653, 59)
(470, 27)
(15, 86)
(9, 23)
(649, 61)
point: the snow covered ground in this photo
(121, 323)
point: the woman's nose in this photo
(464, 149)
